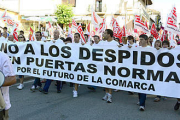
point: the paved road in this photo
(88, 106)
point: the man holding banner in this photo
(142, 96)
(107, 35)
(37, 83)
(78, 42)
(10, 79)
(48, 81)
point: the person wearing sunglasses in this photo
(21, 38)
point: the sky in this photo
(165, 6)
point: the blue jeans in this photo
(48, 83)
(21, 76)
(37, 82)
(93, 87)
(142, 99)
(159, 96)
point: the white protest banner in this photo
(137, 69)
(140, 25)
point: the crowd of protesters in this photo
(107, 39)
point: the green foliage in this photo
(64, 14)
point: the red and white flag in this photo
(60, 29)
(70, 32)
(88, 31)
(154, 31)
(124, 31)
(173, 14)
(146, 25)
(14, 32)
(95, 19)
(49, 25)
(117, 32)
(79, 29)
(102, 26)
(140, 25)
(171, 24)
(32, 35)
(89, 28)
(74, 24)
(9, 21)
(129, 32)
(164, 35)
(4, 14)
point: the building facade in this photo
(123, 10)
(32, 12)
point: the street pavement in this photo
(27, 105)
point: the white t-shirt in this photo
(44, 34)
(43, 38)
(113, 42)
(133, 45)
(79, 43)
(3, 39)
(7, 69)
(101, 42)
(88, 43)
(58, 41)
(96, 44)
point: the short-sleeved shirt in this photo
(7, 69)
(58, 41)
(3, 39)
(113, 42)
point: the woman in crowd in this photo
(157, 45)
(21, 38)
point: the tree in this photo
(64, 14)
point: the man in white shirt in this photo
(44, 35)
(86, 37)
(5, 30)
(4, 37)
(142, 96)
(78, 42)
(108, 36)
(10, 78)
(131, 42)
(48, 81)
(38, 36)
(151, 40)
(56, 37)
(37, 83)
(96, 43)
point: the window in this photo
(98, 6)
(71, 2)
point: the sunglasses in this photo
(21, 37)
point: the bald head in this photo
(11, 38)
(56, 34)
(5, 34)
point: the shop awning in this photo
(44, 19)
